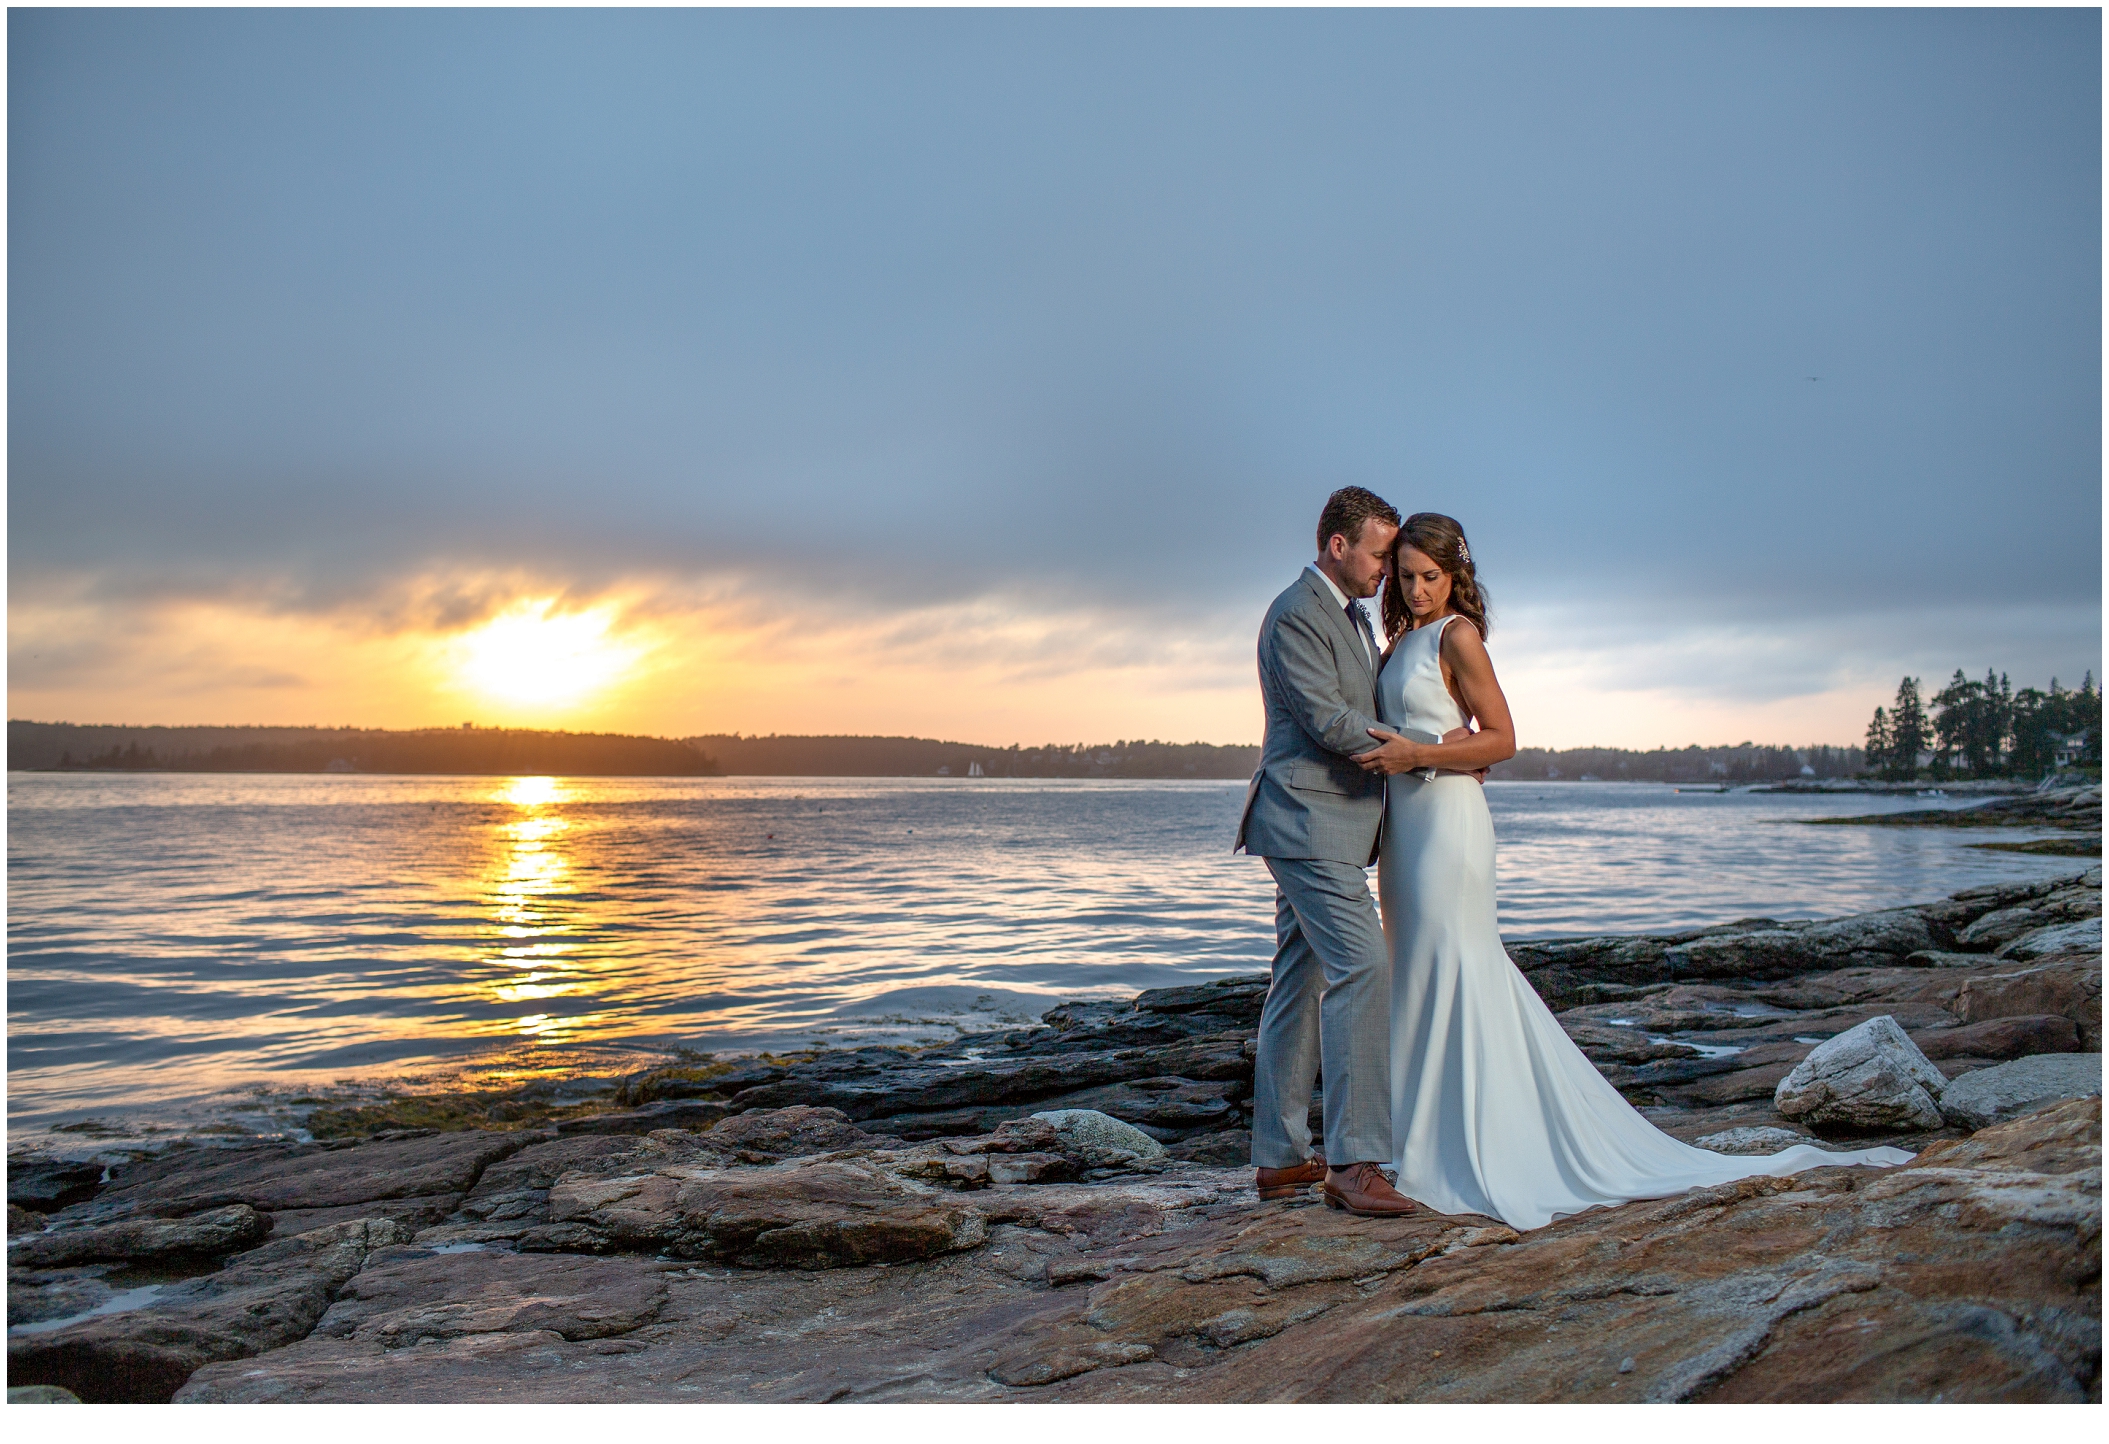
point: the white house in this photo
(2070, 750)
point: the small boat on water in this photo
(974, 770)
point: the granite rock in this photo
(1754, 1142)
(263, 1299)
(296, 1179)
(665, 1113)
(765, 1135)
(1225, 1148)
(1240, 998)
(2067, 987)
(2002, 925)
(2084, 936)
(1164, 1108)
(809, 1215)
(37, 1296)
(1971, 1274)
(1867, 1079)
(1999, 1038)
(1101, 1140)
(141, 1240)
(872, 1083)
(1602, 1044)
(46, 1186)
(410, 1297)
(1993, 1095)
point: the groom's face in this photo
(1358, 565)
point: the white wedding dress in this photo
(1494, 1109)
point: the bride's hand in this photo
(1459, 734)
(1395, 756)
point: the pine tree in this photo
(1958, 725)
(2033, 732)
(1879, 742)
(1907, 732)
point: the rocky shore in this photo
(2074, 811)
(1065, 1212)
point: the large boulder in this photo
(1871, 1078)
(1100, 1139)
(1994, 1095)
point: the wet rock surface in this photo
(215, 1231)
(1067, 1212)
(46, 1187)
(375, 1179)
(261, 1300)
(2074, 807)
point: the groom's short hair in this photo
(1348, 510)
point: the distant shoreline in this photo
(474, 751)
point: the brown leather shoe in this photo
(1283, 1182)
(1363, 1190)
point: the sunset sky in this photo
(980, 374)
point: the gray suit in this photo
(1315, 817)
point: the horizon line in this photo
(845, 736)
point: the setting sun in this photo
(531, 657)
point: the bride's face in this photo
(1426, 585)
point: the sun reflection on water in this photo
(535, 923)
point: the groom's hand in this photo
(1396, 755)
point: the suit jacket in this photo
(1308, 800)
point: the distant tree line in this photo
(1745, 762)
(925, 757)
(475, 752)
(1986, 729)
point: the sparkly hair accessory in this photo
(1464, 553)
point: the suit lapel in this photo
(1341, 624)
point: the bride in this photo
(1494, 1109)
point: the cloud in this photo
(1015, 349)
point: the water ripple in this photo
(172, 937)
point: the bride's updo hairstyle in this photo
(1443, 541)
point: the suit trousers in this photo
(1329, 1004)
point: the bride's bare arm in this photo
(1473, 670)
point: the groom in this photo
(1314, 816)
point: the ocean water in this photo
(177, 944)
